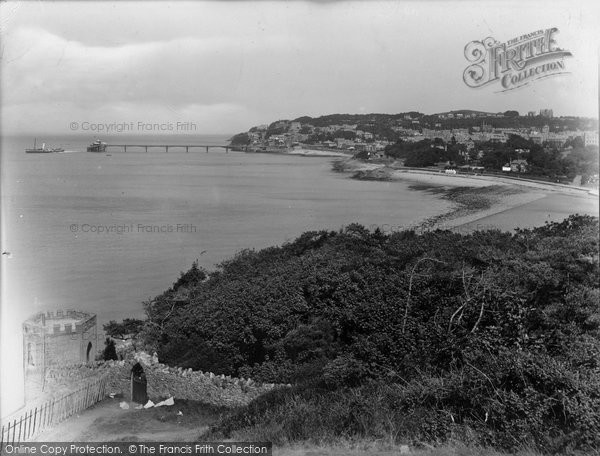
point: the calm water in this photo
(204, 206)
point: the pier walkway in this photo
(187, 147)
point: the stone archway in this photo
(30, 359)
(87, 352)
(139, 384)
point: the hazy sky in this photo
(228, 66)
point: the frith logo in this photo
(515, 63)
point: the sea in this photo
(104, 232)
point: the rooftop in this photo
(62, 318)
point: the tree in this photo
(126, 330)
(427, 157)
(518, 142)
(345, 134)
(362, 155)
(495, 158)
(110, 350)
(576, 142)
(190, 278)
(241, 139)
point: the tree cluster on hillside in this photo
(542, 159)
(241, 139)
(320, 137)
(125, 330)
(490, 335)
(509, 119)
(351, 119)
(381, 123)
(425, 152)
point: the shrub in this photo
(110, 350)
(489, 337)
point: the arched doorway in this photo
(30, 361)
(88, 351)
(139, 383)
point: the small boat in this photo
(42, 150)
(97, 146)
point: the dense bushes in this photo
(423, 153)
(460, 406)
(241, 139)
(489, 337)
(542, 160)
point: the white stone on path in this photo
(169, 401)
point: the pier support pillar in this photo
(125, 147)
(206, 149)
(187, 149)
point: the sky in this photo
(228, 66)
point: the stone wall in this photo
(61, 348)
(163, 382)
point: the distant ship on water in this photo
(97, 146)
(42, 150)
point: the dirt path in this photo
(106, 421)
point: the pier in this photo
(187, 147)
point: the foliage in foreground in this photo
(491, 338)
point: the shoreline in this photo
(473, 197)
(304, 152)
(316, 153)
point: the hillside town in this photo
(471, 140)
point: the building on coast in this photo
(51, 339)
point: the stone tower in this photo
(52, 339)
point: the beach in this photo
(484, 202)
(315, 153)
